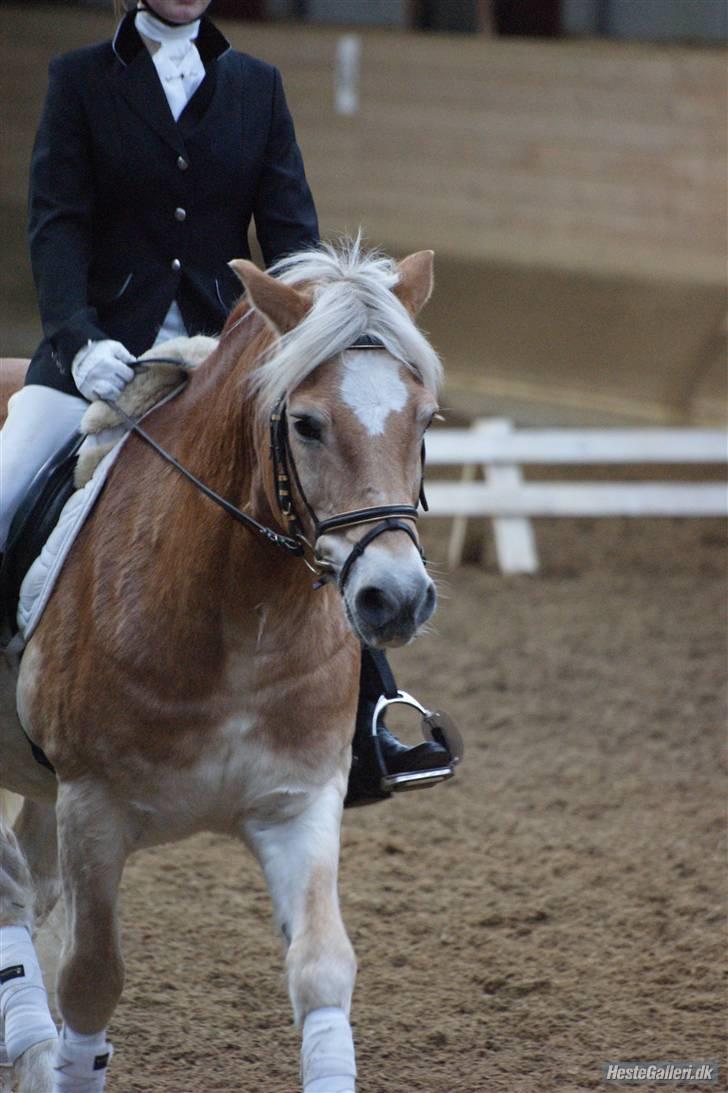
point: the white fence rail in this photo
(501, 450)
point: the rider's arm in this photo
(61, 209)
(284, 212)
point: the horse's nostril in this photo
(375, 606)
(430, 601)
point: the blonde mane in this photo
(352, 297)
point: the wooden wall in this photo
(593, 156)
(575, 193)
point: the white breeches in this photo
(40, 421)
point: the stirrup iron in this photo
(436, 726)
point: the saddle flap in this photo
(33, 522)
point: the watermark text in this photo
(667, 1072)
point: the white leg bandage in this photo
(81, 1062)
(23, 999)
(327, 1052)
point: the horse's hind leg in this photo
(27, 1027)
(92, 855)
(300, 859)
(35, 830)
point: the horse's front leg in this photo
(91, 838)
(300, 857)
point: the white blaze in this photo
(372, 387)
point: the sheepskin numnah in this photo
(150, 385)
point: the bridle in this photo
(296, 542)
(384, 517)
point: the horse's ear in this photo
(416, 281)
(282, 306)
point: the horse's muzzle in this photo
(388, 610)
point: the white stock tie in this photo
(177, 61)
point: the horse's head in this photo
(350, 384)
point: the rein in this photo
(274, 537)
(385, 517)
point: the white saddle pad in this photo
(40, 579)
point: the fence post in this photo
(459, 527)
(515, 544)
(514, 539)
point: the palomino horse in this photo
(187, 674)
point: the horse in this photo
(188, 674)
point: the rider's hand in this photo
(101, 369)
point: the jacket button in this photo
(182, 163)
(180, 214)
(176, 264)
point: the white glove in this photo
(101, 369)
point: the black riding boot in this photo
(369, 762)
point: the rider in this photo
(141, 144)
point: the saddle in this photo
(33, 522)
(73, 466)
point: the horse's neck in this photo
(212, 432)
(192, 590)
(211, 565)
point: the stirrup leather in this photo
(436, 726)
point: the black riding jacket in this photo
(130, 210)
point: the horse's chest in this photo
(183, 759)
(234, 777)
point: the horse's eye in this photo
(307, 428)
